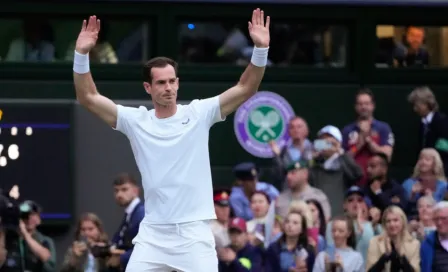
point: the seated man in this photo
(247, 183)
(241, 255)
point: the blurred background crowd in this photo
(346, 193)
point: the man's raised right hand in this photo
(88, 35)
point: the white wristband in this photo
(260, 56)
(81, 63)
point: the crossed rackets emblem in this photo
(265, 122)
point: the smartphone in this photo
(321, 144)
(302, 254)
(331, 251)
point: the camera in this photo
(100, 251)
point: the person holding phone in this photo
(341, 256)
(292, 252)
(395, 249)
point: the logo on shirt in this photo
(262, 118)
(186, 122)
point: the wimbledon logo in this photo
(262, 118)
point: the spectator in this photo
(355, 201)
(299, 189)
(424, 224)
(411, 51)
(222, 210)
(126, 195)
(367, 135)
(314, 238)
(241, 256)
(434, 250)
(35, 252)
(382, 190)
(395, 249)
(35, 46)
(334, 171)
(317, 212)
(434, 124)
(342, 256)
(89, 231)
(292, 252)
(428, 179)
(299, 148)
(259, 204)
(247, 181)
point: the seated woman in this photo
(395, 249)
(291, 252)
(314, 237)
(78, 257)
(424, 223)
(428, 179)
(342, 256)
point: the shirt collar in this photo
(130, 208)
(428, 118)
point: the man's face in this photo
(375, 168)
(249, 185)
(164, 86)
(353, 203)
(296, 177)
(414, 37)
(125, 193)
(33, 221)
(364, 106)
(298, 129)
(222, 212)
(441, 220)
(421, 109)
(238, 239)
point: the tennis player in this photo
(170, 145)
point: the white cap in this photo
(331, 130)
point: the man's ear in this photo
(147, 86)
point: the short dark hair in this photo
(157, 62)
(365, 91)
(124, 178)
(382, 156)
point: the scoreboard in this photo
(36, 155)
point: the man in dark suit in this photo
(127, 196)
(433, 125)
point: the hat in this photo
(221, 197)
(245, 171)
(299, 164)
(238, 224)
(355, 190)
(332, 131)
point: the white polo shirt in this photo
(173, 158)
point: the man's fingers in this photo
(84, 24)
(262, 18)
(92, 23)
(98, 25)
(268, 21)
(254, 14)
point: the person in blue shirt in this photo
(240, 256)
(292, 252)
(428, 179)
(246, 175)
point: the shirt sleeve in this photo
(319, 263)
(345, 132)
(50, 265)
(209, 109)
(126, 117)
(387, 136)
